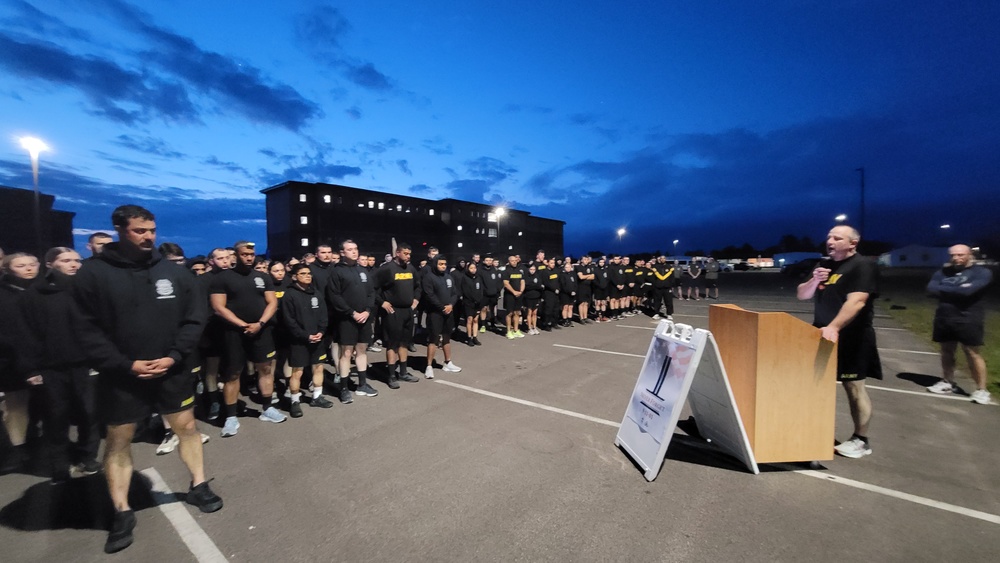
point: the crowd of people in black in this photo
(139, 331)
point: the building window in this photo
(511, 247)
(460, 245)
(361, 205)
(303, 220)
(493, 233)
(305, 242)
(431, 213)
(400, 208)
(381, 205)
(459, 228)
(327, 199)
(520, 234)
(340, 199)
(302, 198)
(491, 217)
(371, 205)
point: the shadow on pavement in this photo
(81, 504)
(925, 380)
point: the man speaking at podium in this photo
(845, 286)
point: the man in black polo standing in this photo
(397, 295)
(143, 316)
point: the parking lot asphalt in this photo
(513, 459)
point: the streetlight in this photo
(675, 247)
(621, 232)
(34, 146)
(862, 206)
(499, 212)
(840, 218)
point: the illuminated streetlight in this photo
(840, 218)
(499, 212)
(675, 246)
(34, 146)
(946, 226)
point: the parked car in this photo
(742, 267)
(801, 268)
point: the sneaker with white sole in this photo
(168, 445)
(943, 387)
(657, 317)
(981, 397)
(853, 448)
(429, 372)
(451, 367)
(271, 414)
(375, 348)
(366, 390)
(231, 427)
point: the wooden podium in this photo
(784, 379)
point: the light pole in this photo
(861, 217)
(840, 218)
(675, 247)
(499, 212)
(35, 146)
(621, 232)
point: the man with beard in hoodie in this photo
(397, 295)
(492, 284)
(352, 299)
(244, 298)
(54, 356)
(144, 316)
(304, 318)
(440, 296)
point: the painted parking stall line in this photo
(195, 538)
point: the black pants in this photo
(71, 398)
(550, 308)
(661, 295)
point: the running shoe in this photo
(375, 348)
(393, 381)
(408, 377)
(943, 387)
(120, 535)
(657, 317)
(231, 427)
(89, 467)
(169, 444)
(321, 402)
(345, 395)
(295, 410)
(271, 414)
(510, 335)
(853, 448)
(429, 372)
(981, 397)
(476, 341)
(203, 497)
(366, 390)
(204, 438)
(518, 334)
(450, 366)
(213, 411)
(482, 330)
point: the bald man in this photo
(960, 317)
(845, 287)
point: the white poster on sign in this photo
(672, 367)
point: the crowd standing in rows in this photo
(138, 330)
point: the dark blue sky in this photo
(713, 123)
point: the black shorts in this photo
(512, 303)
(615, 293)
(239, 348)
(600, 293)
(439, 326)
(397, 328)
(711, 284)
(350, 333)
(210, 344)
(305, 355)
(584, 295)
(492, 300)
(125, 399)
(857, 356)
(470, 309)
(965, 330)
(532, 302)
(566, 299)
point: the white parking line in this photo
(908, 351)
(201, 546)
(955, 509)
(599, 351)
(888, 328)
(638, 327)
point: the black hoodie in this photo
(141, 308)
(12, 290)
(303, 313)
(472, 289)
(350, 289)
(439, 290)
(52, 326)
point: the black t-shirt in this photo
(244, 292)
(514, 275)
(855, 274)
(585, 270)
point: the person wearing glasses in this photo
(304, 319)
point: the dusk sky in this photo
(714, 123)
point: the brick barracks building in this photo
(302, 215)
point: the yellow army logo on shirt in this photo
(833, 279)
(404, 276)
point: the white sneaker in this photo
(979, 396)
(450, 366)
(168, 445)
(205, 438)
(657, 317)
(429, 372)
(853, 448)
(942, 387)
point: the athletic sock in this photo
(402, 368)
(392, 369)
(231, 410)
(317, 391)
(296, 397)
(362, 376)
(862, 438)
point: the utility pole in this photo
(861, 216)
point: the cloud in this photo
(229, 166)
(420, 189)
(39, 23)
(148, 145)
(115, 93)
(244, 221)
(438, 145)
(490, 169)
(319, 32)
(469, 190)
(354, 112)
(382, 146)
(524, 108)
(404, 167)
